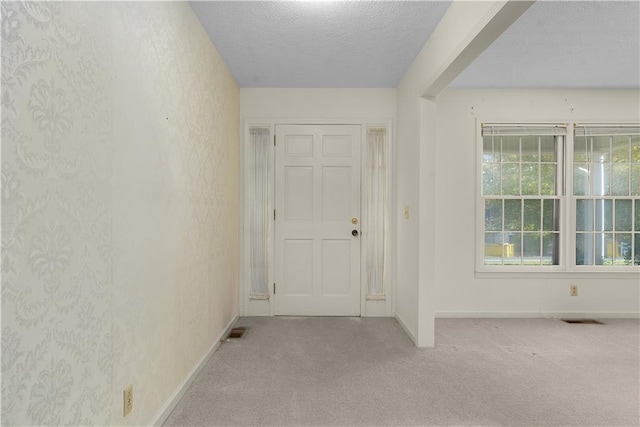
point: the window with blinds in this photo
(606, 193)
(559, 197)
(522, 183)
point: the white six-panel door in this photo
(317, 195)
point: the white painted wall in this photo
(269, 106)
(458, 291)
(321, 104)
(407, 192)
(463, 33)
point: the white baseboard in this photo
(170, 405)
(537, 314)
(406, 329)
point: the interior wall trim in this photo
(171, 403)
(411, 336)
(538, 314)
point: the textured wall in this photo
(175, 201)
(119, 207)
(56, 215)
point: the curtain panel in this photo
(376, 213)
(259, 149)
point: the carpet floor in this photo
(366, 371)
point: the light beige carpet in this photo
(353, 371)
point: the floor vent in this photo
(237, 332)
(583, 321)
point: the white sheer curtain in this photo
(259, 149)
(376, 213)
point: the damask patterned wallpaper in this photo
(119, 207)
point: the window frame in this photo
(573, 201)
(567, 216)
(481, 267)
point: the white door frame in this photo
(369, 308)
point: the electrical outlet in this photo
(128, 399)
(574, 290)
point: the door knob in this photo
(354, 233)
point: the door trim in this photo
(369, 308)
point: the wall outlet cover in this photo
(128, 399)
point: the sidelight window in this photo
(258, 187)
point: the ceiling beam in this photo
(465, 31)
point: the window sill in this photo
(631, 273)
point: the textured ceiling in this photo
(319, 44)
(574, 44)
(372, 44)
